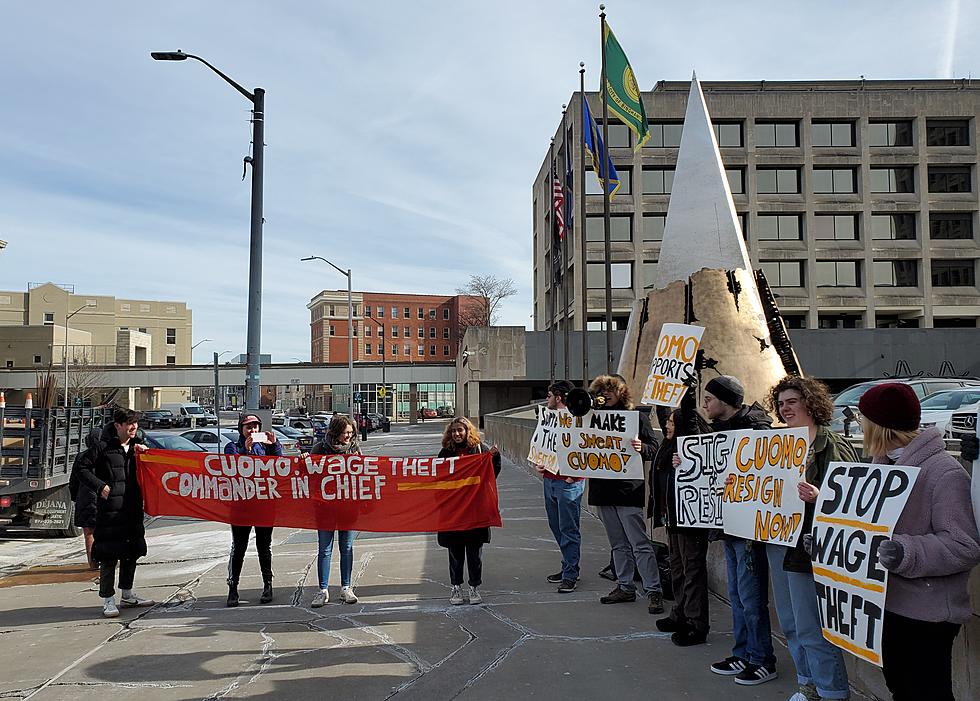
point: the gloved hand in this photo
(807, 542)
(890, 554)
(969, 448)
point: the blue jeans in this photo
(748, 590)
(345, 544)
(817, 661)
(563, 502)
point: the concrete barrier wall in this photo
(511, 431)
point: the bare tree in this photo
(87, 383)
(486, 292)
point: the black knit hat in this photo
(891, 405)
(561, 388)
(727, 388)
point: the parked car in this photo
(169, 441)
(304, 440)
(380, 421)
(427, 413)
(922, 386)
(207, 438)
(157, 418)
(300, 423)
(446, 412)
(184, 412)
(939, 409)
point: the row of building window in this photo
(379, 312)
(786, 133)
(420, 350)
(393, 331)
(855, 320)
(787, 181)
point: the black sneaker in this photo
(608, 573)
(668, 625)
(756, 674)
(554, 578)
(688, 636)
(729, 667)
(618, 596)
(567, 586)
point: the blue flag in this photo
(601, 162)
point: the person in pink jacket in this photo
(934, 546)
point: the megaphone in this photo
(579, 402)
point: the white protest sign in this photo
(856, 510)
(673, 364)
(699, 480)
(544, 442)
(598, 445)
(761, 501)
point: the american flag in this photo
(559, 208)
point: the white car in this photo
(208, 438)
(938, 409)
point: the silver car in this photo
(212, 442)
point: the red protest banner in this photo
(326, 492)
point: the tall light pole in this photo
(384, 399)
(257, 160)
(67, 317)
(350, 329)
(216, 388)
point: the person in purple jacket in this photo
(934, 546)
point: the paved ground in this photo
(402, 640)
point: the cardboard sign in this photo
(324, 492)
(856, 510)
(673, 364)
(598, 445)
(699, 480)
(546, 438)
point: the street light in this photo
(203, 340)
(384, 400)
(67, 317)
(257, 98)
(350, 328)
(216, 387)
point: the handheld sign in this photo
(544, 442)
(699, 480)
(673, 364)
(856, 510)
(598, 445)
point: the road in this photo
(401, 641)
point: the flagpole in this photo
(605, 193)
(582, 227)
(568, 228)
(551, 261)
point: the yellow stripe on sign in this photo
(868, 655)
(160, 460)
(843, 579)
(861, 525)
(451, 484)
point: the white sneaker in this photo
(320, 598)
(475, 597)
(347, 595)
(109, 609)
(456, 596)
(132, 601)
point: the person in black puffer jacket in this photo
(109, 470)
(85, 499)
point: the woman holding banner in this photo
(339, 440)
(933, 547)
(803, 402)
(460, 438)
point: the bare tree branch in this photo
(485, 293)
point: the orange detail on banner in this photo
(325, 492)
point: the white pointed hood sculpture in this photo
(704, 277)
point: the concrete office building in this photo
(858, 199)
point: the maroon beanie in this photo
(891, 405)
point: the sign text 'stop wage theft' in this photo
(673, 364)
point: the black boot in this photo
(232, 595)
(266, 592)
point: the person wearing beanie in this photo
(933, 547)
(252, 440)
(563, 504)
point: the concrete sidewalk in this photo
(402, 640)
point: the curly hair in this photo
(472, 433)
(615, 384)
(338, 424)
(816, 397)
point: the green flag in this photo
(622, 92)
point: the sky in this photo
(402, 138)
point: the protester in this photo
(933, 547)
(803, 402)
(108, 468)
(752, 660)
(688, 620)
(462, 437)
(252, 440)
(85, 499)
(563, 504)
(338, 441)
(621, 505)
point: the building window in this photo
(832, 134)
(835, 227)
(394, 332)
(620, 228)
(144, 308)
(445, 332)
(381, 332)
(773, 181)
(736, 180)
(432, 332)
(949, 178)
(432, 313)
(664, 135)
(408, 351)
(728, 134)
(896, 273)
(332, 312)
(649, 273)
(124, 307)
(171, 335)
(9, 363)
(794, 321)
(394, 350)
(951, 225)
(49, 318)
(893, 321)
(394, 312)
(618, 133)
(622, 276)
(421, 350)
(354, 328)
(783, 273)
(657, 181)
(953, 273)
(421, 332)
(445, 314)
(367, 310)
(592, 186)
(432, 350)
(331, 331)
(171, 360)
(381, 312)
(37, 360)
(653, 227)
(777, 134)
(142, 329)
(838, 273)
(353, 309)
(898, 227)
(840, 321)
(947, 132)
(892, 179)
(939, 323)
(779, 227)
(445, 350)
(833, 180)
(407, 332)
(171, 309)
(890, 133)
(367, 349)
(406, 313)
(421, 313)
(367, 331)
